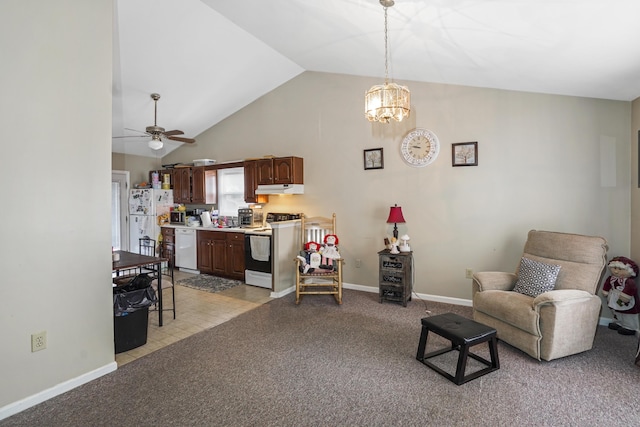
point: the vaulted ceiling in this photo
(209, 58)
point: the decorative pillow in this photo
(536, 277)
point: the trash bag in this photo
(133, 296)
(140, 281)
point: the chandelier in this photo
(390, 100)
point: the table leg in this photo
(422, 344)
(159, 294)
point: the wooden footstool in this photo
(463, 334)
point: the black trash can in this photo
(131, 313)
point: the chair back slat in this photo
(314, 229)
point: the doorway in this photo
(120, 210)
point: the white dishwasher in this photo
(186, 250)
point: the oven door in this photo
(257, 252)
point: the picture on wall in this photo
(464, 154)
(373, 159)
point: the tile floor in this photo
(195, 311)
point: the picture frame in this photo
(464, 154)
(373, 159)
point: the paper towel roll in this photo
(206, 219)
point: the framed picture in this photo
(373, 159)
(464, 154)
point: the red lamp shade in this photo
(395, 215)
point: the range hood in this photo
(280, 189)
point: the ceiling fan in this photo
(157, 133)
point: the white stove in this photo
(258, 256)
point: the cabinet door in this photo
(219, 254)
(204, 253)
(235, 255)
(288, 170)
(197, 185)
(251, 183)
(265, 171)
(183, 183)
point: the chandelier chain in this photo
(386, 50)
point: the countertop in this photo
(210, 228)
(273, 225)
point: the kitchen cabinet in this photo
(182, 185)
(204, 186)
(168, 236)
(211, 252)
(235, 256)
(251, 183)
(280, 170)
(221, 253)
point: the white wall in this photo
(540, 160)
(55, 116)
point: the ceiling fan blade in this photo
(136, 130)
(131, 136)
(177, 138)
(173, 132)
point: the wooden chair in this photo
(320, 281)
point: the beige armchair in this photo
(555, 323)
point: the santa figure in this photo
(622, 295)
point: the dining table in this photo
(130, 260)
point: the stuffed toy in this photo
(312, 256)
(622, 295)
(330, 250)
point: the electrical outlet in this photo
(358, 263)
(468, 273)
(38, 341)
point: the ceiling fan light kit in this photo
(390, 100)
(155, 143)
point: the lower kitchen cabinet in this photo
(168, 237)
(235, 255)
(221, 253)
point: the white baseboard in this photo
(604, 321)
(426, 297)
(27, 402)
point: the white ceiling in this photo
(210, 58)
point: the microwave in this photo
(250, 217)
(177, 217)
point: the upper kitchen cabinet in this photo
(251, 183)
(204, 188)
(280, 170)
(182, 185)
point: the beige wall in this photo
(635, 190)
(55, 112)
(545, 162)
(139, 166)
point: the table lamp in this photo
(395, 217)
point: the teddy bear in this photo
(622, 295)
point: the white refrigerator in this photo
(148, 208)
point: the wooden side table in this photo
(395, 276)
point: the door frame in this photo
(122, 177)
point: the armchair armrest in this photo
(493, 280)
(561, 297)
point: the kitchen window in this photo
(230, 191)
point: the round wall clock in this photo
(420, 147)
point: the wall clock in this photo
(420, 147)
